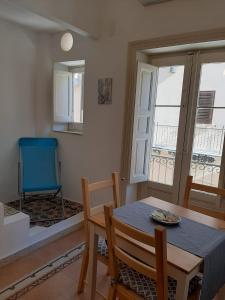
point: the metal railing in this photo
(208, 139)
(206, 158)
(162, 170)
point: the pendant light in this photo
(66, 41)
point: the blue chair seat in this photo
(36, 188)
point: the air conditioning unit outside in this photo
(149, 2)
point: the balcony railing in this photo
(207, 139)
(206, 157)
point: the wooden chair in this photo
(132, 279)
(190, 185)
(87, 189)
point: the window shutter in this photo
(63, 96)
(143, 121)
(205, 107)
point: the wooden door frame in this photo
(133, 49)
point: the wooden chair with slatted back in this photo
(190, 185)
(87, 189)
(132, 279)
(119, 259)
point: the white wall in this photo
(97, 152)
(17, 74)
(43, 84)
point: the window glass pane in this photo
(213, 79)
(166, 121)
(170, 82)
(210, 124)
(164, 145)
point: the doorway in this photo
(185, 124)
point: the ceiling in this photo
(17, 14)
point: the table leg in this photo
(221, 294)
(182, 287)
(92, 267)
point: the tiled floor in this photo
(61, 286)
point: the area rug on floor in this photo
(41, 209)
(34, 279)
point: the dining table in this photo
(181, 264)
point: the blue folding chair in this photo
(39, 169)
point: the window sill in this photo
(69, 131)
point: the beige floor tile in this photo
(62, 286)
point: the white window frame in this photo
(64, 122)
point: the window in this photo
(68, 96)
(205, 107)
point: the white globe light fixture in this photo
(67, 41)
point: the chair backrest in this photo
(190, 185)
(88, 188)
(38, 164)
(116, 252)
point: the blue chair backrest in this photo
(39, 169)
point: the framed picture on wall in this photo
(105, 91)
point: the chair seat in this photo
(102, 247)
(41, 188)
(146, 287)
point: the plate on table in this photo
(165, 217)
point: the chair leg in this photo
(22, 200)
(112, 293)
(107, 272)
(59, 192)
(195, 295)
(20, 203)
(83, 271)
(62, 203)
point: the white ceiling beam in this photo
(80, 16)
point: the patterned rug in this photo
(27, 283)
(41, 209)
